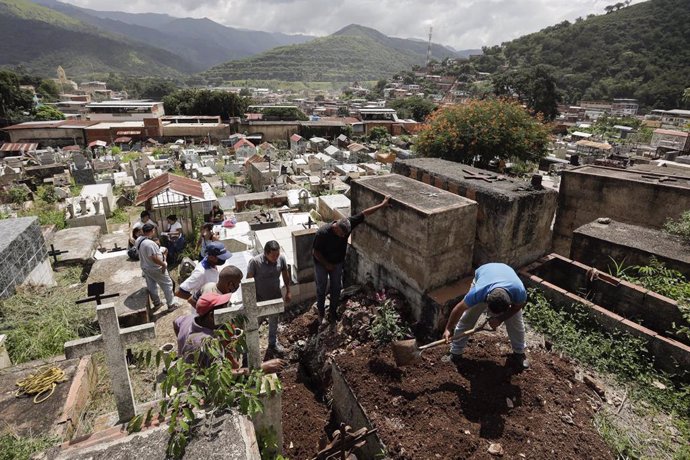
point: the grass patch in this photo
(38, 320)
(119, 216)
(621, 355)
(13, 447)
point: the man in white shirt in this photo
(154, 267)
(204, 272)
(145, 218)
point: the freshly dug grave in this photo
(436, 410)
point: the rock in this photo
(568, 419)
(595, 385)
(659, 385)
(467, 432)
(509, 403)
(496, 449)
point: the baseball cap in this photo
(218, 250)
(210, 301)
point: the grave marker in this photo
(113, 341)
(54, 253)
(95, 291)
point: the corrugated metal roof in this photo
(671, 132)
(18, 147)
(164, 182)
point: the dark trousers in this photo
(323, 277)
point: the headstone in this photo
(79, 161)
(46, 158)
(113, 342)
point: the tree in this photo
(536, 87)
(686, 96)
(343, 111)
(48, 112)
(205, 102)
(13, 100)
(413, 107)
(157, 89)
(379, 134)
(483, 130)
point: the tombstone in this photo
(79, 161)
(81, 170)
(113, 341)
(46, 158)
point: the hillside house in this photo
(668, 139)
(624, 107)
(124, 110)
(298, 145)
(244, 149)
(267, 149)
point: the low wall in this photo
(614, 304)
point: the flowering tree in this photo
(483, 130)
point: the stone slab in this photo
(513, 218)
(599, 244)
(24, 417)
(81, 242)
(22, 250)
(229, 436)
(283, 235)
(123, 275)
(421, 217)
(333, 207)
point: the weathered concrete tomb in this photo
(23, 255)
(79, 242)
(513, 218)
(600, 243)
(628, 196)
(423, 241)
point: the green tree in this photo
(13, 100)
(48, 112)
(536, 87)
(157, 89)
(413, 107)
(686, 97)
(48, 90)
(205, 102)
(483, 130)
(379, 134)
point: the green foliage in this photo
(38, 321)
(618, 439)
(47, 213)
(13, 447)
(192, 239)
(535, 87)
(626, 357)
(203, 381)
(483, 130)
(284, 113)
(205, 102)
(680, 227)
(48, 112)
(119, 216)
(13, 100)
(228, 177)
(47, 193)
(387, 326)
(379, 134)
(414, 107)
(18, 195)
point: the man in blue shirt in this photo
(496, 287)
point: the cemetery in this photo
(341, 391)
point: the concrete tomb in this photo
(81, 243)
(513, 218)
(23, 255)
(628, 196)
(333, 207)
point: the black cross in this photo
(96, 291)
(54, 253)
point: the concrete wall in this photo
(22, 249)
(629, 196)
(513, 219)
(599, 244)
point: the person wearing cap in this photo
(154, 267)
(191, 330)
(497, 287)
(205, 271)
(267, 268)
(229, 280)
(330, 246)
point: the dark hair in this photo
(144, 214)
(498, 300)
(271, 246)
(207, 226)
(147, 228)
(172, 217)
(136, 231)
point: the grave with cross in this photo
(113, 342)
(254, 311)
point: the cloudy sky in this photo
(458, 23)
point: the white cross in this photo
(253, 311)
(113, 341)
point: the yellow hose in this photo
(45, 380)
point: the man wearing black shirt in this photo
(330, 245)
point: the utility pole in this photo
(428, 50)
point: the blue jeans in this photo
(336, 283)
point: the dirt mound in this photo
(437, 410)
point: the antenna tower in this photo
(428, 50)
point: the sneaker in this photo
(277, 350)
(452, 358)
(518, 361)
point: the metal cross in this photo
(54, 253)
(96, 291)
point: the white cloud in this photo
(458, 23)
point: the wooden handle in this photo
(455, 337)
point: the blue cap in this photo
(217, 249)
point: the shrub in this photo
(680, 227)
(18, 195)
(387, 326)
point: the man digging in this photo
(497, 287)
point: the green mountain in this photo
(640, 51)
(39, 39)
(202, 42)
(352, 53)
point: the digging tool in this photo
(407, 351)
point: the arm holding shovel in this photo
(453, 319)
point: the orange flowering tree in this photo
(483, 130)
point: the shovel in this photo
(407, 351)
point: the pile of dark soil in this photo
(437, 410)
